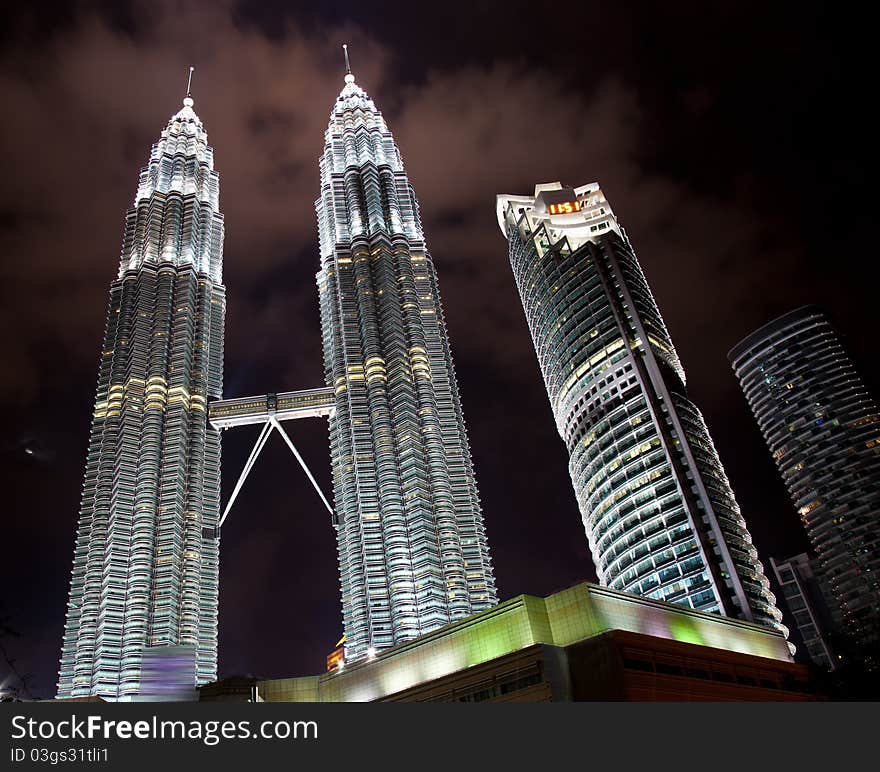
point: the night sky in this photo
(730, 138)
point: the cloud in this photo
(85, 111)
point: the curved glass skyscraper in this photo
(659, 513)
(822, 428)
(412, 546)
(146, 558)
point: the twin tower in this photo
(412, 546)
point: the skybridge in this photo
(225, 413)
(271, 410)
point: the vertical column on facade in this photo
(388, 367)
(150, 383)
(433, 387)
(416, 411)
(118, 568)
(164, 622)
(78, 643)
(353, 433)
(385, 511)
(472, 541)
(208, 609)
(406, 364)
(194, 504)
(104, 493)
(409, 531)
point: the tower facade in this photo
(804, 595)
(146, 558)
(822, 428)
(658, 510)
(411, 541)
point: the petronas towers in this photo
(146, 561)
(412, 546)
(411, 542)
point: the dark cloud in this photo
(480, 108)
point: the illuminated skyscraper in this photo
(411, 540)
(146, 557)
(822, 427)
(658, 510)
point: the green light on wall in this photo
(488, 643)
(686, 630)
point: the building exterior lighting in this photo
(145, 564)
(412, 546)
(822, 428)
(659, 513)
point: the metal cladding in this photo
(822, 428)
(411, 541)
(658, 510)
(146, 559)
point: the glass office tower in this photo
(659, 513)
(411, 541)
(822, 428)
(146, 558)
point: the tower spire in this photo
(349, 78)
(188, 100)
